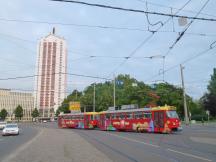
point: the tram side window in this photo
(96, 117)
(114, 116)
(122, 116)
(147, 115)
(138, 115)
(92, 117)
(108, 116)
(68, 117)
(129, 115)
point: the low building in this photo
(9, 100)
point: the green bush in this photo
(199, 117)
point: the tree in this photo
(18, 112)
(212, 84)
(3, 114)
(128, 91)
(209, 98)
(35, 113)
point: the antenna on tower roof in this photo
(53, 31)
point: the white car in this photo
(2, 124)
(10, 129)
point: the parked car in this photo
(2, 124)
(44, 121)
(10, 129)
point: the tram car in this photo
(157, 119)
(87, 120)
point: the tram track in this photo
(173, 152)
(136, 144)
(84, 135)
(163, 141)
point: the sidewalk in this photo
(57, 145)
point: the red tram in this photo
(158, 119)
(88, 120)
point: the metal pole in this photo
(114, 93)
(84, 108)
(184, 96)
(163, 66)
(94, 99)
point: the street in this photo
(10, 143)
(195, 143)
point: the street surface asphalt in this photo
(10, 143)
(195, 143)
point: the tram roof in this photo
(158, 108)
(141, 109)
(80, 113)
(91, 113)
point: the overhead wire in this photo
(73, 74)
(165, 6)
(146, 40)
(135, 50)
(181, 35)
(147, 18)
(91, 26)
(134, 10)
(211, 46)
(187, 27)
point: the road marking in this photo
(191, 155)
(133, 140)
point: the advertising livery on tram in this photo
(157, 119)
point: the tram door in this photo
(158, 120)
(102, 122)
(86, 121)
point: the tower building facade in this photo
(51, 74)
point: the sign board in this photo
(134, 84)
(111, 109)
(132, 106)
(74, 106)
(182, 21)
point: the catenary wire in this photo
(32, 76)
(165, 6)
(212, 46)
(134, 10)
(146, 40)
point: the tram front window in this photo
(172, 114)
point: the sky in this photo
(74, 22)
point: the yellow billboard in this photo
(74, 106)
